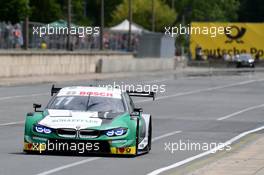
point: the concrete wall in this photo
(52, 63)
(136, 65)
(15, 64)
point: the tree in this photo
(207, 10)
(251, 11)
(211, 10)
(93, 10)
(142, 14)
(45, 11)
(13, 10)
(78, 13)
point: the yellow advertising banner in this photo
(217, 39)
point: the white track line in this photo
(68, 166)
(157, 81)
(11, 123)
(97, 158)
(241, 111)
(22, 96)
(202, 90)
(165, 135)
(185, 161)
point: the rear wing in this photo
(141, 94)
(54, 90)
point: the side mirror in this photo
(136, 112)
(138, 109)
(36, 106)
(30, 114)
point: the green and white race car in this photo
(87, 120)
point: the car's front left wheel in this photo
(149, 134)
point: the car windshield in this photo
(245, 57)
(87, 103)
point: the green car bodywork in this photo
(125, 133)
(125, 144)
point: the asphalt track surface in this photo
(195, 108)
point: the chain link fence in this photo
(11, 37)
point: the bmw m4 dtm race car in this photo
(86, 120)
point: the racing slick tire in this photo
(149, 134)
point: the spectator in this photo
(8, 35)
(18, 38)
(198, 52)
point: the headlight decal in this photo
(116, 132)
(47, 130)
(119, 131)
(39, 129)
(110, 133)
(42, 129)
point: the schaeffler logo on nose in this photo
(236, 34)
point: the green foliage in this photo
(207, 10)
(45, 11)
(110, 6)
(94, 11)
(251, 11)
(142, 13)
(13, 10)
(78, 16)
(211, 10)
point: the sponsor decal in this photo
(91, 91)
(240, 38)
(80, 120)
(100, 94)
(38, 147)
(235, 35)
(124, 150)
